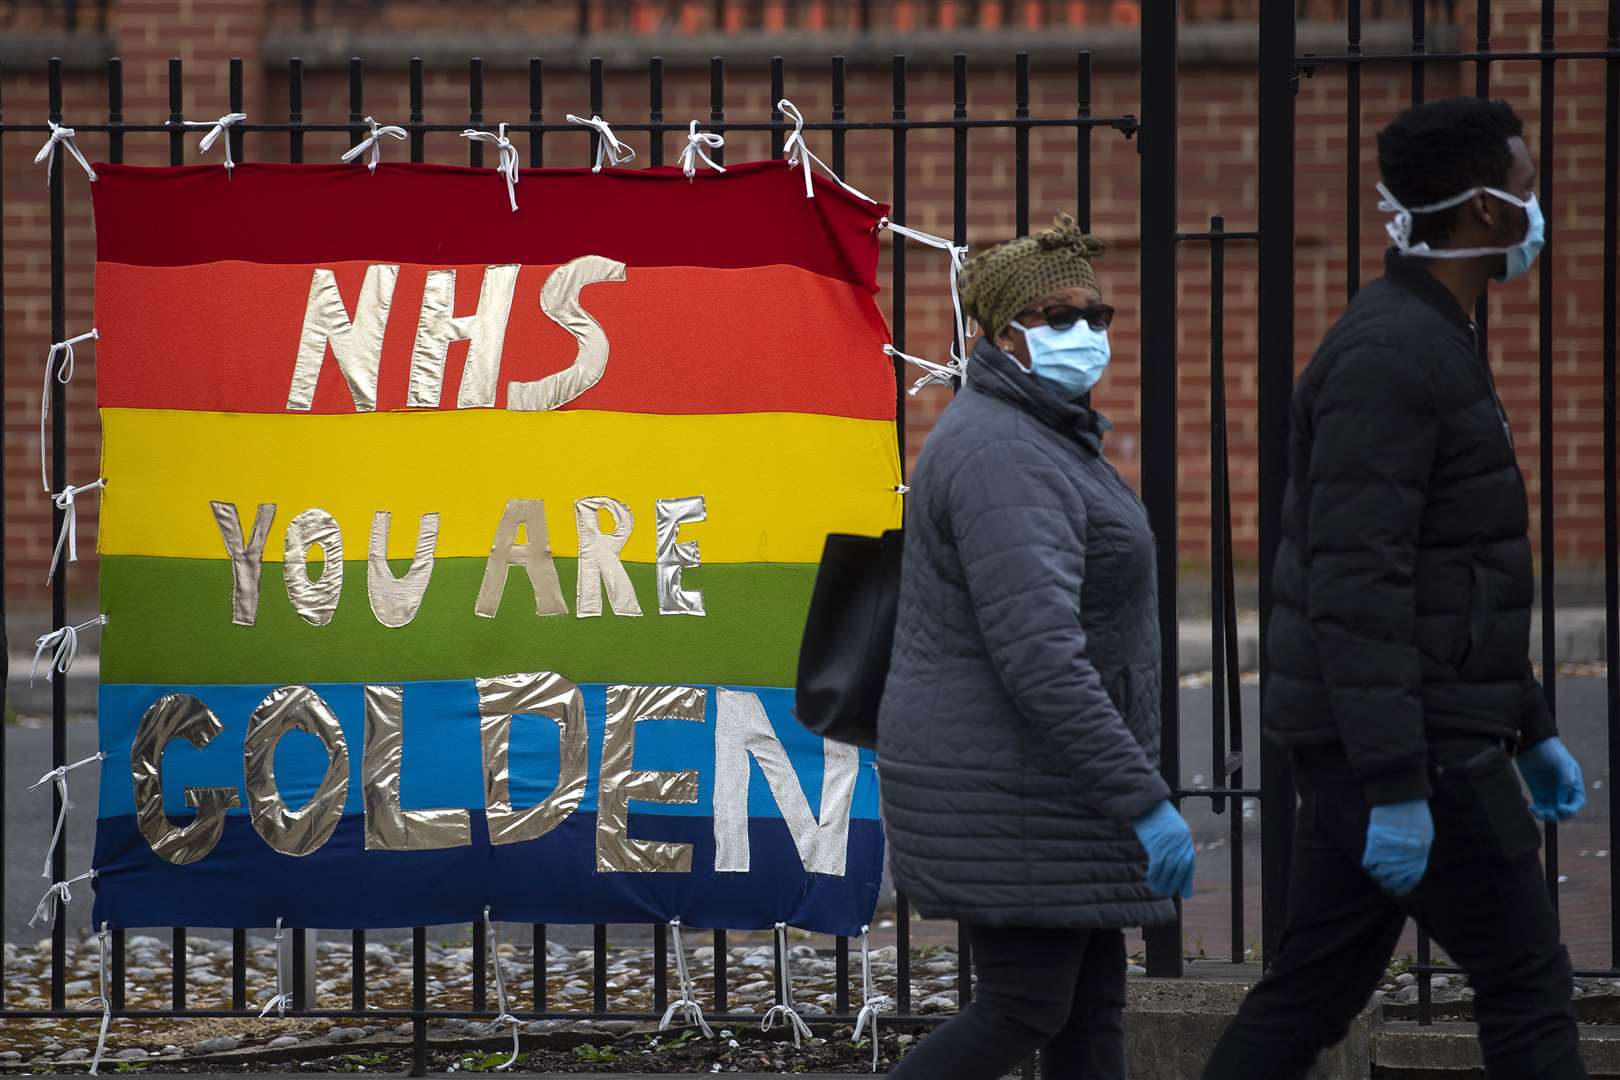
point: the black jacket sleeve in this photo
(1537, 724)
(1374, 431)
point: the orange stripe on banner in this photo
(224, 337)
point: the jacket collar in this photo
(1413, 275)
(993, 373)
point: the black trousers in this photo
(1058, 991)
(1483, 900)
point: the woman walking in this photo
(1019, 733)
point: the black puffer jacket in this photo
(1404, 582)
(1019, 734)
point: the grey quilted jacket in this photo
(1019, 733)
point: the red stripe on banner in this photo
(754, 214)
(224, 337)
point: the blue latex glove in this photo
(1169, 846)
(1399, 836)
(1557, 790)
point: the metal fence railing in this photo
(285, 140)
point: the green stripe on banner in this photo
(169, 621)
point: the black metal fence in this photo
(1159, 238)
(1280, 72)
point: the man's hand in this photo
(1399, 836)
(1557, 790)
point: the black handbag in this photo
(844, 657)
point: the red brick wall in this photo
(1218, 156)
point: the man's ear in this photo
(1487, 210)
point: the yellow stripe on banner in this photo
(774, 483)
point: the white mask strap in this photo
(1400, 227)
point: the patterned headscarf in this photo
(999, 283)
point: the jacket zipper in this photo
(1490, 380)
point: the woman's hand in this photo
(1169, 846)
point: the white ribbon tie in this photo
(502, 1002)
(104, 945)
(61, 891)
(506, 164)
(216, 128)
(958, 254)
(609, 150)
(373, 143)
(783, 1011)
(280, 1001)
(58, 776)
(686, 1006)
(871, 1004)
(799, 154)
(698, 143)
(65, 640)
(940, 374)
(63, 135)
(64, 372)
(69, 537)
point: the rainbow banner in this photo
(456, 557)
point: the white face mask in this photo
(1519, 256)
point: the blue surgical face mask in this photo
(1519, 257)
(1071, 360)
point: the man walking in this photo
(1400, 637)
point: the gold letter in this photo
(543, 694)
(616, 851)
(599, 562)
(246, 558)
(301, 831)
(177, 716)
(389, 828)
(534, 555)
(357, 345)
(559, 299)
(395, 601)
(485, 330)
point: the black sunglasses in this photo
(1064, 316)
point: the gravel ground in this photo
(352, 1045)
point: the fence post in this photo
(1276, 385)
(303, 990)
(1158, 186)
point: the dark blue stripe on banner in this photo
(552, 879)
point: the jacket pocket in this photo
(1483, 792)
(1474, 630)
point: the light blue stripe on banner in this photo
(442, 757)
